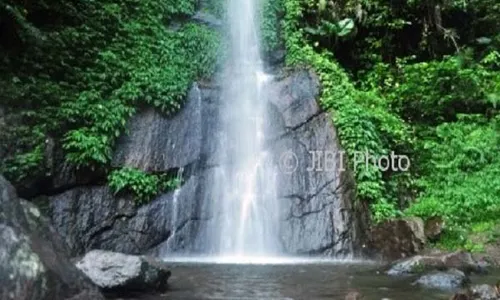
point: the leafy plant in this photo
(144, 187)
(339, 29)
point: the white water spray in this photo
(175, 213)
(246, 205)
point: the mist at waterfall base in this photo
(244, 203)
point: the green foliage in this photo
(23, 165)
(460, 178)
(363, 120)
(90, 64)
(327, 28)
(271, 12)
(144, 187)
(410, 106)
(436, 91)
(215, 7)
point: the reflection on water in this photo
(308, 280)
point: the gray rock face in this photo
(395, 239)
(33, 260)
(316, 195)
(317, 217)
(448, 280)
(159, 143)
(117, 272)
(92, 218)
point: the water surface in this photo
(282, 280)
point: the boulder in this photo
(33, 259)
(446, 280)
(433, 228)
(121, 273)
(484, 292)
(420, 263)
(395, 239)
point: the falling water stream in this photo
(175, 212)
(247, 204)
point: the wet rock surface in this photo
(395, 239)
(92, 218)
(446, 280)
(33, 260)
(120, 273)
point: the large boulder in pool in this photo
(33, 260)
(460, 260)
(395, 239)
(446, 280)
(121, 273)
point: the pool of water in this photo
(284, 279)
(254, 278)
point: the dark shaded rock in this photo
(433, 228)
(460, 260)
(33, 260)
(446, 280)
(275, 58)
(464, 295)
(484, 292)
(394, 239)
(120, 273)
(159, 143)
(92, 218)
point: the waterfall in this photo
(246, 202)
(175, 213)
(236, 205)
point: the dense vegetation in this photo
(75, 71)
(419, 77)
